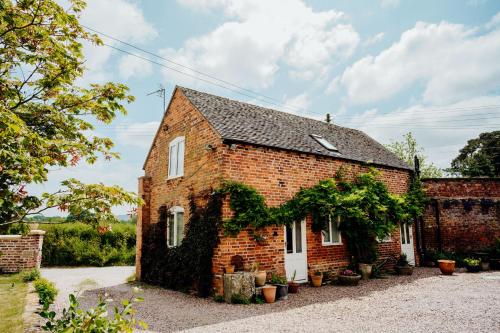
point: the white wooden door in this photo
(296, 251)
(407, 242)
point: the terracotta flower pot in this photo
(317, 280)
(229, 269)
(447, 267)
(269, 293)
(349, 280)
(260, 278)
(293, 287)
(366, 270)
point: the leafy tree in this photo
(479, 158)
(45, 116)
(408, 149)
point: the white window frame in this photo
(176, 162)
(174, 211)
(331, 242)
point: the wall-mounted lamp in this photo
(233, 146)
(209, 147)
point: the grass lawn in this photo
(12, 299)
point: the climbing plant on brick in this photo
(367, 209)
(188, 265)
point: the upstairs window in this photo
(331, 233)
(176, 157)
(175, 226)
(324, 142)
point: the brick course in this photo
(276, 174)
(464, 224)
(19, 252)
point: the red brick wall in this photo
(461, 230)
(201, 166)
(278, 175)
(21, 252)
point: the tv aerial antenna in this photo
(160, 93)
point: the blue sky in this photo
(386, 67)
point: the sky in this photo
(386, 67)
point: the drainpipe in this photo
(438, 225)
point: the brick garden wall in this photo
(19, 252)
(468, 212)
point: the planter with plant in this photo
(269, 292)
(472, 265)
(317, 279)
(366, 270)
(293, 286)
(281, 286)
(403, 266)
(348, 277)
(446, 266)
(260, 276)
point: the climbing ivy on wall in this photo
(367, 209)
(188, 265)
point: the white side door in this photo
(296, 251)
(407, 242)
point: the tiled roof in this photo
(247, 123)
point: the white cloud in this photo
(118, 18)
(442, 130)
(389, 3)
(297, 104)
(138, 134)
(333, 86)
(258, 35)
(131, 66)
(451, 61)
(374, 39)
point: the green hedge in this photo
(78, 244)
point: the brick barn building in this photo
(204, 139)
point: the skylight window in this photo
(324, 142)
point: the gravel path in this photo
(424, 301)
(71, 280)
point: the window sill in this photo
(331, 244)
(174, 177)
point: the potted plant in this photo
(260, 276)
(366, 270)
(446, 266)
(402, 266)
(348, 277)
(269, 292)
(281, 286)
(293, 286)
(317, 279)
(472, 265)
(229, 269)
(495, 255)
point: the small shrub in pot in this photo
(349, 278)
(472, 265)
(403, 266)
(281, 286)
(317, 279)
(293, 286)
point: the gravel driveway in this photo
(71, 280)
(425, 301)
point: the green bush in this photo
(46, 290)
(30, 275)
(239, 299)
(79, 244)
(98, 319)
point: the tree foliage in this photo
(479, 158)
(46, 118)
(407, 149)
